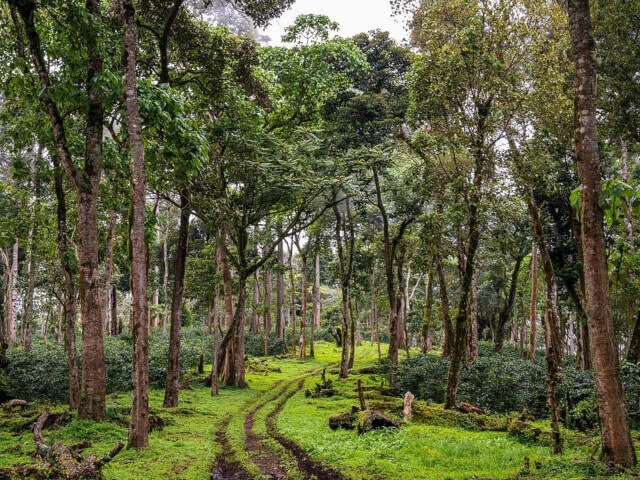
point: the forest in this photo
(339, 258)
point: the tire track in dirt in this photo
(225, 467)
(310, 469)
(273, 465)
(270, 464)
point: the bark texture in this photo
(139, 423)
(617, 443)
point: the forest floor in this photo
(277, 429)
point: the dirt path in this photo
(310, 468)
(226, 468)
(273, 464)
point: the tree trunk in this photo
(317, 305)
(317, 300)
(533, 304)
(617, 443)
(472, 344)
(139, 422)
(389, 253)
(85, 181)
(633, 355)
(255, 318)
(10, 261)
(70, 295)
(172, 388)
(303, 311)
(553, 340)
(27, 320)
(292, 297)
(165, 280)
(578, 296)
(280, 320)
(268, 293)
(444, 306)
(427, 319)
(507, 308)
(227, 360)
(461, 325)
(108, 274)
(216, 351)
(344, 278)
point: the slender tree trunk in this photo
(70, 294)
(108, 273)
(578, 296)
(553, 340)
(13, 293)
(427, 319)
(447, 347)
(507, 308)
(344, 277)
(303, 311)
(268, 294)
(165, 280)
(227, 360)
(172, 388)
(27, 320)
(617, 443)
(139, 423)
(317, 300)
(280, 320)
(255, 318)
(216, 348)
(394, 337)
(461, 325)
(317, 305)
(533, 304)
(292, 297)
(472, 344)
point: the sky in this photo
(354, 16)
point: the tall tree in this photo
(617, 443)
(85, 181)
(139, 423)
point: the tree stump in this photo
(408, 401)
(373, 419)
(343, 420)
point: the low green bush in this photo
(503, 383)
(254, 345)
(38, 374)
(631, 381)
(425, 376)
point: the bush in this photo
(425, 376)
(39, 374)
(631, 381)
(503, 383)
(118, 361)
(498, 383)
(254, 344)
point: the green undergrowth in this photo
(435, 444)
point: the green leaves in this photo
(175, 141)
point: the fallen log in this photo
(465, 407)
(16, 402)
(72, 466)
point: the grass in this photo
(434, 445)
